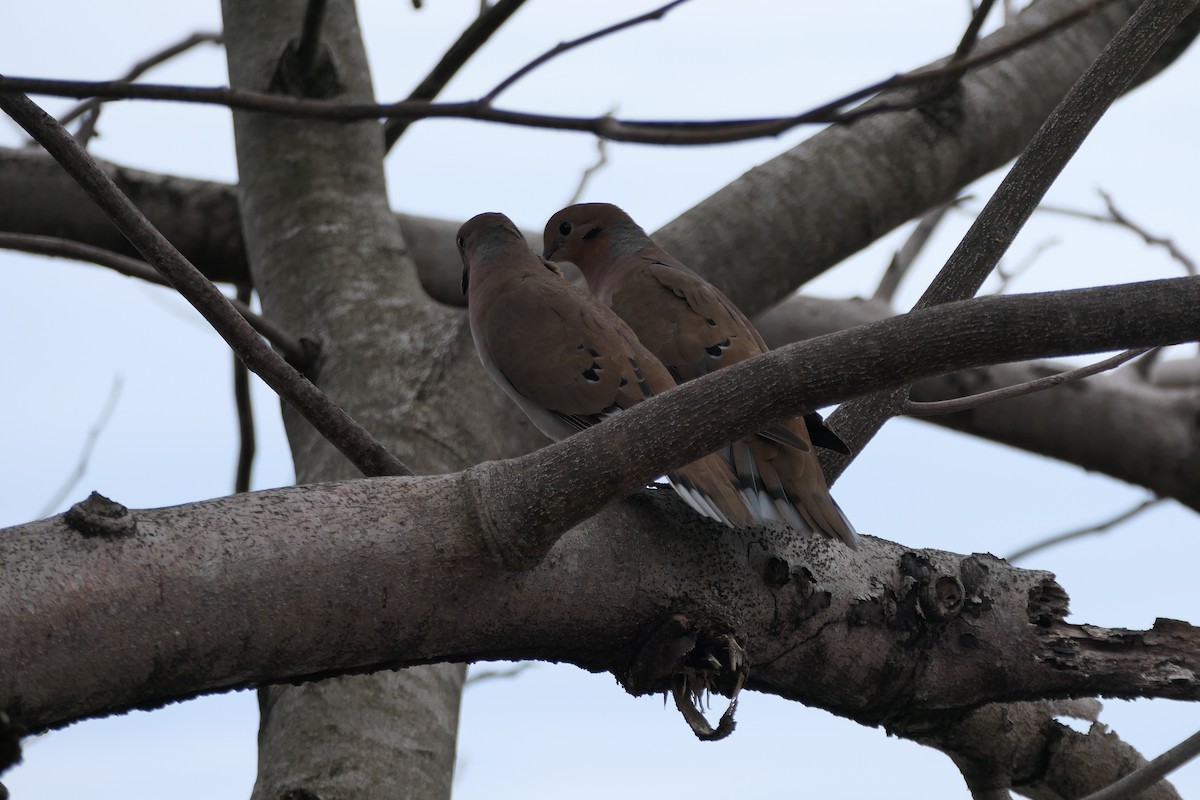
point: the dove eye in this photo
(565, 229)
(460, 242)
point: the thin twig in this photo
(245, 412)
(601, 160)
(906, 256)
(1118, 218)
(89, 444)
(1007, 276)
(1150, 773)
(475, 677)
(563, 47)
(91, 108)
(970, 36)
(933, 408)
(1019, 193)
(355, 442)
(1099, 527)
(640, 131)
(468, 43)
(310, 36)
(288, 345)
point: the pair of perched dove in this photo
(570, 359)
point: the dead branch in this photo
(1099, 527)
(930, 408)
(90, 109)
(468, 43)
(1118, 218)
(89, 444)
(564, 47)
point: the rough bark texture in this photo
(203, 597)
(330, 265)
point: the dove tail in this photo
(784, 483)
(709, 486)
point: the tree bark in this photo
(329, 264)
(397, 571)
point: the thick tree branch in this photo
(888, 636)
(1023, 746)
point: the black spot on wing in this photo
(715, 350)
(592, 373)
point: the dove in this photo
(566, 360)
(694, 329)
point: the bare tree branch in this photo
(89, 444)
(1133, 784)
(1008, 275)
(601, 160)
(971, 35)
(468, 43)
(483, 675)
(343, 432)
(1116, 217)
(931, 408)
(90, 109)
(564, 47)
(645, 132)
(1015, 199)
(848, 634)
(906, 256)
(245, 412)
(1099, 527)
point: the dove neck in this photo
(615, 250)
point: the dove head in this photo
(592, 236)
(483, 239)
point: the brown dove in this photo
(566, 360)
(694, 329)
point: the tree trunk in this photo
(329, 263)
